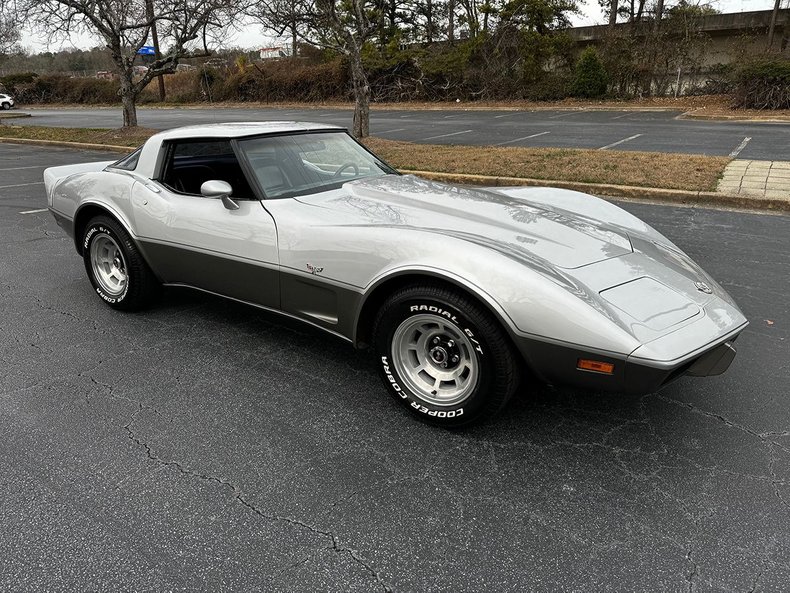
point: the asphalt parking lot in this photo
(204, 445)
(657, 131)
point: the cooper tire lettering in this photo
(472, 332)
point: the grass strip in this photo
(643, 169)
(133, 137)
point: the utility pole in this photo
(149, 7)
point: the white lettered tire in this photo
(443, 356)
(115, 266)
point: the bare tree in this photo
(343, 26)
(124, 26)
(9, 35)
(280, 16)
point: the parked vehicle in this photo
(458, 291)
(6, 101)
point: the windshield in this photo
(298, 164)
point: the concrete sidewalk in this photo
(762, 179)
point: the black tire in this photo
(467, 332)
(6, 105)
(140, 286)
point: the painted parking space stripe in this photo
(22, 184)
(565, 114)
(506, 115)
(391, 131)
(740, 147)
(623, 115)
(619, 142)
(20, 168)
(446, 135)
(520, 139)
(35, 211)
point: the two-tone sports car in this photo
(458, 291)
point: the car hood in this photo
(508, 225)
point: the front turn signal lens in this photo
(596, 366)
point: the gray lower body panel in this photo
(302, 296)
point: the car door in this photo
(194, 240)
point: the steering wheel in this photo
(345, 166)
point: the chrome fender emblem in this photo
(702, 287)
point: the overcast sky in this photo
(252, 36)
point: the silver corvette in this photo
(459, 292)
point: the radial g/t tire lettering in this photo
(443, 356)
(115, 266)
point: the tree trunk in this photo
(129, 110)
(659, 14)
(149, 8)
(772, 27)
(640, 11)
(429, 21)
(128, 94)
(612, 13)
(359, 80)
(294, 40)
(451, 21)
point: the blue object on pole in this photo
(146, 50)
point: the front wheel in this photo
(443, 356)
(6, 105)
(115, 266)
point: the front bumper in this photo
(557, 364)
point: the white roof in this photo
(150, 153)
(241, 129)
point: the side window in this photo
(191, 163)
(129, 162)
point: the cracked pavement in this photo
(204, 445)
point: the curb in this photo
(737, 119)
(13, 115)
(64, 144)
(674, 196)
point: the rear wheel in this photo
(443, 356)
(6, 105)
(115, 266)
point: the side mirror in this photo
(216, 188)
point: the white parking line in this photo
(566, 114)
(624, 115)
(619, 142)
(391, 131)
(524, 138)
(35, 211)
(740, 147)
(446, 135)
(449, 116)
(21, 184)
(18, 168)
(506, 115)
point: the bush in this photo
(552, 87)
(763, 84)
(590, 79)
(62, 89)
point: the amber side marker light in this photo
(596, 366)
